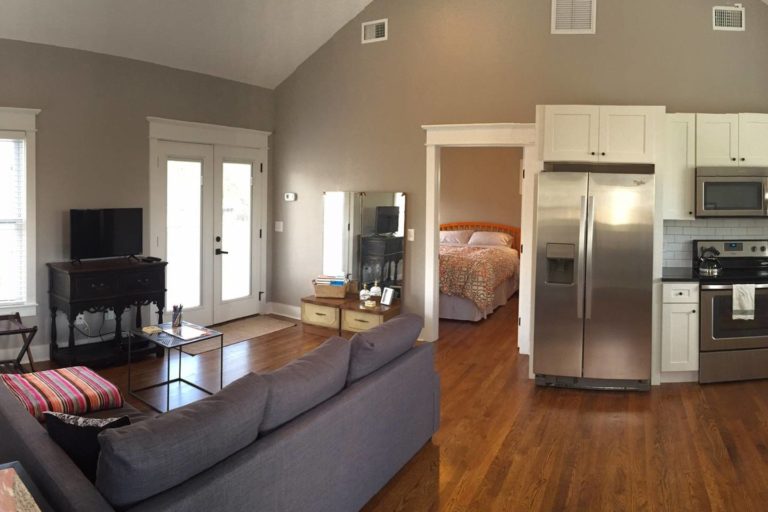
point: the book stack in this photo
(331, 286)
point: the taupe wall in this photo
(350, 117)
(92, 139)
(480, 184)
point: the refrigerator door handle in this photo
(590, 240)
(580, 259)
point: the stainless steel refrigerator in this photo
(594, 266)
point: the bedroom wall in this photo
(350, 117)
(92, 139)
(480, 184)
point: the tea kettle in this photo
(709, 265)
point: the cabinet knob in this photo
(690, 213)
(603, 153)
(693, 311)
(733, 159)
(593, 153)
(743, 159)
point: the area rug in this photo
(239, 331)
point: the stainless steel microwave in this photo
(731, 191)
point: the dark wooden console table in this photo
(98, 286)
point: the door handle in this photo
(219, 251)
(580, 259)
(590, 241)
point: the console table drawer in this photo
(357, 321)
(143, 281)
(88, 287)
(322, 316)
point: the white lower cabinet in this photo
(680, 329)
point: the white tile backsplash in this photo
(678, 235)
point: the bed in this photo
(479, 268)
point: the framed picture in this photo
(387, 295)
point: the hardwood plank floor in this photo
(507, 445)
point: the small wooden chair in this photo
(11, 325)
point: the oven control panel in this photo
(735, 248)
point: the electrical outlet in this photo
(80, 320)
(109, 315)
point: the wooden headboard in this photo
(485, 226)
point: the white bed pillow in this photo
(490, 238)
(455, 237)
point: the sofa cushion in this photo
(141, 460)
(306, 382)
(77, 436)
(375, 347)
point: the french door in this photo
(206, 222)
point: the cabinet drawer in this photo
(322, 316)
(90, 287)
(142, 281)
(357, 321)
(687, 293)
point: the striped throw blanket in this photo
(75, 390)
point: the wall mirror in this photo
(363, 237)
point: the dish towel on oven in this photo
(743, 301)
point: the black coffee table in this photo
(169, 342)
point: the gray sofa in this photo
(296, 443)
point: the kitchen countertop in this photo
(678, 274)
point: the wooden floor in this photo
(506, 445)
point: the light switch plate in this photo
(290, 196)
(278, 226)
(411, 234)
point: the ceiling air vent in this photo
(729, 18)
(574, 16)
(375, 31)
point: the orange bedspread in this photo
(476, 272)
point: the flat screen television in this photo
(106, 233)
(387, 219)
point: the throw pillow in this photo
(375, 347)
(78, 437)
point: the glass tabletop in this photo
(171, 337)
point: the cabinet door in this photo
(680, 338)
(753, 139)
(717, 140)
(679, 167)
(571, 133)
(627, 134)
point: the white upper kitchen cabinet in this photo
(717, 140)
(589, 133)
(571, 133)
(679, 169)
(753, 139)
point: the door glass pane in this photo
(236, 231)
(743, 195)
(334, 228)
(184, 231)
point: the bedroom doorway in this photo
(479, 135)
(479, 209)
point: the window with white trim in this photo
(17, 211)
(13, 219)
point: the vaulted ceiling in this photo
(260, 42)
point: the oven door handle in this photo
(705, 287)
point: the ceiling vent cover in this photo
(729, 18)
(573, 16)
(375, 31)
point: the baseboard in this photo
(287, 310)
(671, 377)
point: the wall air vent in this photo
(729, 18)
(574, 16)
(375, 31)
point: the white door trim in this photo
(171, 130)
(478, 135)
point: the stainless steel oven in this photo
(732, 349)
(731, 191)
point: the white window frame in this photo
(24, 120)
